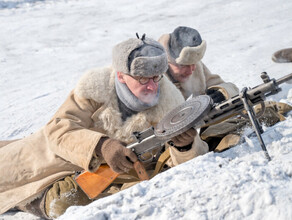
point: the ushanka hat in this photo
(183, 46)
(140, 57)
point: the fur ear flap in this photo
(191, 55)
(121, 52)
(188, 55)
(164, 40)
(149, 66)
(139, 57)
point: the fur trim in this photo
(188, 55)
(96, 82)
(164, 40)
(199, 147)
(191, 55)
(227, 89)
(283, 56)
(98, 85)
(141, 66)
(121, 53)
(149, 66)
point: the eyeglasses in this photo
(144, 80)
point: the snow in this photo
(46, 45)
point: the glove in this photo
(116, 155)
(215, 95)
(184, 139)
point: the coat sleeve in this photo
(69, 135)
(199, 147)
(214, 81)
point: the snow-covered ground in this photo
(46, 45)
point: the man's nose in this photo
(191, 67)
(151, 85)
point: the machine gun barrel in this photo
(244, 101)
(255, 96)
(284, 79)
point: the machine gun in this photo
(195, 113)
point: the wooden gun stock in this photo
(95, 183)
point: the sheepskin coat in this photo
(202, 79)
(67, 143)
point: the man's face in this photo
(146, 93)
(181, 73)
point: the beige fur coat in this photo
(67, 143)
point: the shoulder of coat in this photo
(96, 84)
(170, 97)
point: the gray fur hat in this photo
(183, 46)
(140, 57)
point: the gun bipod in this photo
(255, 123)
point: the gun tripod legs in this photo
(257, 127)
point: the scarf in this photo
(130, 101)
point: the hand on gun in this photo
(215, 95)
(116, 155)
(183, 141)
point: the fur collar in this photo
(98, 85)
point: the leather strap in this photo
(132, 177)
